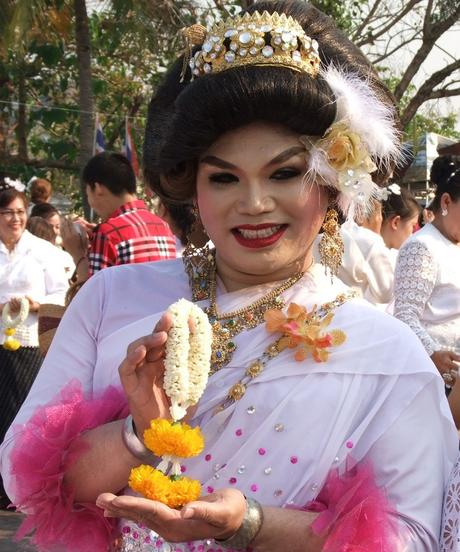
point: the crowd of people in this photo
(276, 214)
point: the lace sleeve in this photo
(415, 277)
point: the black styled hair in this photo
(445, 175)
(113, 170)
(9, 194)
(403, 205)
(44, 210)
(185, 118)
(41, 228)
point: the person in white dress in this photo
(432, 286)
(368, 263)
(306, 449)
(427, 277)
(30, 269)
(400, 211)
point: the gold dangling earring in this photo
(199, 261)
(331, 247)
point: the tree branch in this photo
(366, 20)
(400, 45)
(429, 40)
(370, 38)
(444, 93)
(426, 90)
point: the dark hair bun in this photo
(442, 170)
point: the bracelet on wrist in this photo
(132, 442)
(249, 529)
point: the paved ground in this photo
(9, 522)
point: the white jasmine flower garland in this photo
(188, 357)
(11, 324)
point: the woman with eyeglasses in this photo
(30, 274)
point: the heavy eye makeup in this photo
(284, 173)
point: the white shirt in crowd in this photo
(427, 289)
(35, 269)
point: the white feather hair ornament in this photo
(363, 136)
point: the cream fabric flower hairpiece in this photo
(362, 134)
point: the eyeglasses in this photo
(8, 214)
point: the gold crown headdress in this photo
(256, 39)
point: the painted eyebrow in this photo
(283, 156)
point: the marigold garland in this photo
(166, 438)
(172, 491)
(187, 364)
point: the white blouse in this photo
(427, 289)
(34, 268)
(368, 264)
(378, 398)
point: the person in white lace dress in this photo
(450, 223)
(427, 277)
(427, 298)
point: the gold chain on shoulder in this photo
(257, 366)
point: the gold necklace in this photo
(225, 326)
(257, 366)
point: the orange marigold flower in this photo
(153, 484)
(166, 438)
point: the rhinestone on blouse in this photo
(279, 428)
(241, 469)
(278, 492)
(251, 409)
(267, 471)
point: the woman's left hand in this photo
(218, 515)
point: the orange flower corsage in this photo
(304, 331)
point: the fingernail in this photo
(188, 513)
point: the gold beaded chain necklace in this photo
(225, 326)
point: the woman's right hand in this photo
(446, 363)
(141, 374)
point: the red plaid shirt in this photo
(132, 234)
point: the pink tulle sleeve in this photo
(355, 514)
(44, 449)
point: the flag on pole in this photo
(129, 149)
(99, 140)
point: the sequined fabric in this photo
(137, 538)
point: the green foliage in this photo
(344, 13)
(432, 121)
